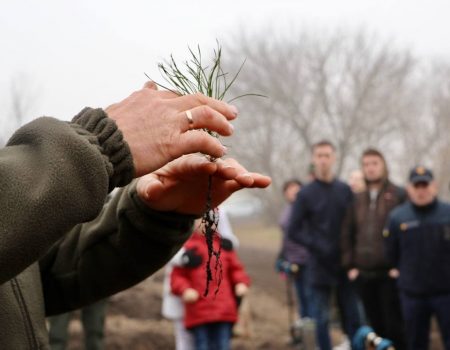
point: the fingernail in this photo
(247, 175)
(231, 128)
(234, 110)
(225, 150)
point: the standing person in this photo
(172, 305)
(294, 253)
(316, 223)
(92, 319)
(363, 253)
(418, 247)
(210, 318)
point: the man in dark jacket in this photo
(418, 246)
(58, 249)
(363, 253)
(316, 223)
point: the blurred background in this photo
(359, 72)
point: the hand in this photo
(190, 296)
(157, 130)
(182, 185)
(240, 289)
(353, 274)
(394, 273)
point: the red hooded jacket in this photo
(220, 307)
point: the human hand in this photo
(182, 185)
(240, 289)
(394, 273)
(190, 296)
(353, 274)
(156, 127)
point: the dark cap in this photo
(420, 174)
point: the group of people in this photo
(60, 249)
(383, 250)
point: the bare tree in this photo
(441, 113)
(22, 99)
(348, 87)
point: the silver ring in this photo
(190, 119)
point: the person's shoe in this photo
(345, 345)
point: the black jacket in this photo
(316, 223)
(418, 244)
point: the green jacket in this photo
(55, 175)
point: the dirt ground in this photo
(134, 318)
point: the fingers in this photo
(199, 141)
(204, 117)
(243, 177)
(186, 102)
(194, 164)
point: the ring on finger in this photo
(189, 118)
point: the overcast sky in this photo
(92, 53)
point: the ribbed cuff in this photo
(103, 132)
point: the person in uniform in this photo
(417, 240)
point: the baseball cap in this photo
(420, 174)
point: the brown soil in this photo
(134, 320)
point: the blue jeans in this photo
(212, 336)
(347, 301)
(304, 292)
(417, 312)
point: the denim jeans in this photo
(347, 301)
(212, 336)
(304, 292)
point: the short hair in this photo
(375, 153)
(372, 152)
(323, 143)
(291, 182)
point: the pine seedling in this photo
(191, 77)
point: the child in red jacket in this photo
(210, 318)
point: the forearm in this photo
(53, 175)
(125, 244)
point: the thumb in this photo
(149, 188)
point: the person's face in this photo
(324, 158)
(291, 192)
(373, 168)
(422, 193)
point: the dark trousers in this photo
(92, 317)
(417, 312)
(212, 336)
(304, 292)
(347, 301)
(381, 301)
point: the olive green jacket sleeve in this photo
(126, 243)
(54, 175)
